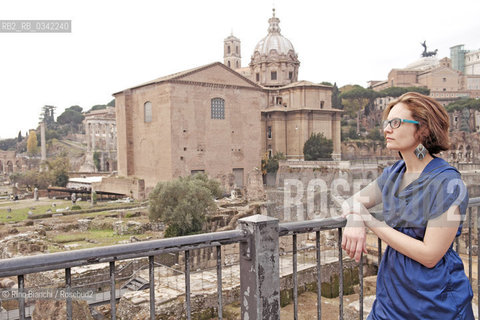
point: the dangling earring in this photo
(420, 151)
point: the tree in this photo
(75, 108)
(32, 143)
(8, 144)
(51, 134)
(336, 100)
(396, 92)
(98, 107)
(111, 103)
(48, 114)
(33, 178)
(375, 134)
(183, 203)
(71, 117)
(270, 165)
(356, 99)
(19, 137)
(96, 160)
(351, 133)
(464, 103)
(58, 168)
(464, 125)
(317, 147)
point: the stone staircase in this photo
(136, 284)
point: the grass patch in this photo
(19, 210)
(66, 238)
(99, 238)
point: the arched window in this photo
(147, 109)
(217, 108)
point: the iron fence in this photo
(258, 237)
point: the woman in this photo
(424, 202)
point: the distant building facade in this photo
(101, 138)
(445, 83)
(222, 118)
(448, 79)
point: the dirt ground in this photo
(307, 308)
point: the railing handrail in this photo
(62, 260)
(474, 202)
(311, 225)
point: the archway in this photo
(9, 167)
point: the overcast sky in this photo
(118, 44)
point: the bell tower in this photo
(231, 52)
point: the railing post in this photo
(259, 269)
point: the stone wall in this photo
(204, 306)
(131, 187)
(310, 189)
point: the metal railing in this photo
(66, 260)
(258, 237)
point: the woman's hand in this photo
(354, 237)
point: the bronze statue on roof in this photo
(426, 53)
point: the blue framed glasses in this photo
(396, 122)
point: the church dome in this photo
(274, 62)
(274, 40)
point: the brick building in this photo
(222, 118)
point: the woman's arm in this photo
(369, 197)
(439, 235)
(354, 234)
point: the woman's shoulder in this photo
(441, 169)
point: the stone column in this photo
(43, 141)
(336, 137)
(108, 141)
(89, 139)
(93, 133)
(259, 269)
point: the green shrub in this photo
(317, 147)
(183, 203)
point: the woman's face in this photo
(404, 137)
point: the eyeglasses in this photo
(396, 122)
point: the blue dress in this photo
(405, 288)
